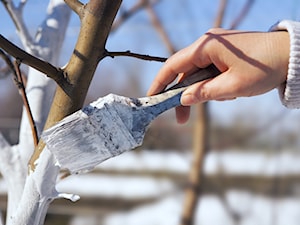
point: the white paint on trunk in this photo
(13, 172)
(29, 197)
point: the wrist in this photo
(290, 90)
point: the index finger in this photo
(180, 62)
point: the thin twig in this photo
(21, 87)
(242, 14)
(16, 14)
(136, 55)
(220, 14)
(124, 15)
(160, 29)
(7, 61)
(18, 79)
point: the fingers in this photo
(251, 63)
(169, 72)
(213, 89)
(184, 61)
(182, 114)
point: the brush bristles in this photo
(86, 138)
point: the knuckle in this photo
(214, 30)
(203, 94)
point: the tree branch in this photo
(136, 55)
(18, 79)
(97, 20)
(16, 14)
(76, 6)
(220, 14)
(128, 13)
(7, 61)
(242, 14)
(51, 71)
(160, 29)
(21, 87)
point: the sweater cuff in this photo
(290, 91)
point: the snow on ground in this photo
(241, 163)
(253, 163)
(252, 209)
(115, 186)
(164, 212)
(149, 160)
(232, 162)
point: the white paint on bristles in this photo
(89, 136)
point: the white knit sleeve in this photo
(290, 91)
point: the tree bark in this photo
(39, 190)
(96, 22)
(201, 133)
(28, 202)
(24, 193)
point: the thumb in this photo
(221, 87)
(194, 94)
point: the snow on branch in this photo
(16, 14)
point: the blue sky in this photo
(185, 21)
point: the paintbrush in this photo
(111, 125)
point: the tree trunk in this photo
(29, 200)
(196, 171)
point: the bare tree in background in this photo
(201, 133)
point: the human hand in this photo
(251, 63)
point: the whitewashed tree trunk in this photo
(29, 196)
(40, 89)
